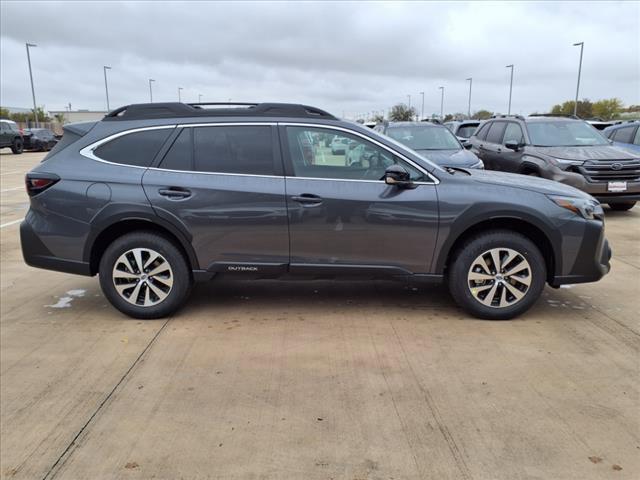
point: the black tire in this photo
(472, 248)
(17, 146)
(181, 275)
(622, 206)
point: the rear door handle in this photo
(307, 199)
(174, 193)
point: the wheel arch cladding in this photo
(119, 227)
(517, 225)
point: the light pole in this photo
(422, 110)
(575, 107)
(179, 96)
(33, 91)
(150, 90)
(470, 79)
(199, 97)
(441, 103)
(106, 88)
(510, 88)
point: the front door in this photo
(344, 218)
(224, 184)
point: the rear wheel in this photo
(497, 275)
(144, 275)
(17, 146)
(622, 207)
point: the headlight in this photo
(564, 164)
(585, 207)
(478, 164)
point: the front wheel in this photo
(144, 275)
(622, 207)
(497, 275)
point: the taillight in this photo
(38, 182)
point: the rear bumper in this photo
(36, 254)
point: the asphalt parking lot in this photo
(315, 380)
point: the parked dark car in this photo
(11, 136)
(625, 134)
(566, 150)
(40, 139)
(463, 129)
(432, 140)
(156, 196)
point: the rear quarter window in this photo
(136, 149)
(481, 133)
(624, 134)
(494, 135)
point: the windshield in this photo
(420, 137)
(465, 131)
(564, 134)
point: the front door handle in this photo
(307, 199)
(174, 193)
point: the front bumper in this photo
(591, 262)
(599, 190)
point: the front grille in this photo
(610, 171)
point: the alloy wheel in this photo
(143, 277)
(499, 277)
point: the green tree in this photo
(28, 117)
(607, 109)
(59, 118)
(378, 118)
(402, 113)
(482, 115)
(585, 108)
(4, 112)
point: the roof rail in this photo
(575, 117)
(500, 115)
(142, 111)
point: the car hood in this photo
(581, 154)
(450, 158)
(527, 182)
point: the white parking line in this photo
(14, 171)
(11, 189)
(8, 224)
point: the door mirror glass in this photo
(398, 176)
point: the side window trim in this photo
(88, 151)
(288, 162)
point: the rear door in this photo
(343, 218)
(224, 184)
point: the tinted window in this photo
(482, 131)
(242, 149)
(623, 135)
(138, 148)
(513, 133)
(179, 156)
(495, 132)
(357, 160)
(636, 140)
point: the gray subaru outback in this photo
(157, 196)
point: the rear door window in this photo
(136, 149)
(231, 149)
(494, 135)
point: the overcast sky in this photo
(346, 58)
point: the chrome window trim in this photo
(88, 151)
(435, 179)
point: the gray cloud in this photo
(344, 57)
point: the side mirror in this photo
(467, 145)
(515, 146)
(397, 176)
